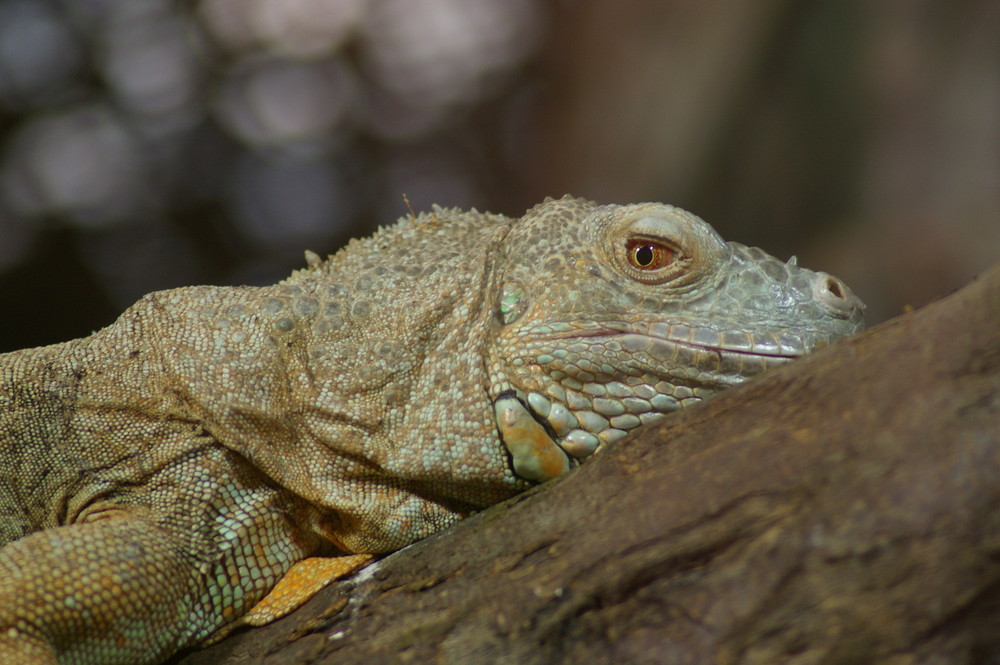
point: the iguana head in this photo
(611, 316)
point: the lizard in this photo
(217, 454)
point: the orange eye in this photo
(649, 255)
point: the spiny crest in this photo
(567, 208)
(411, 238)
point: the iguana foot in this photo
(302, 581)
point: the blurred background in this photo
(147, 144)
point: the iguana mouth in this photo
(771, 346)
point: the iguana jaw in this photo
(578, 386)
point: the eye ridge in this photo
(645, 254)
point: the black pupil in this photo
(644, 255)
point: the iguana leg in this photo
(113, 591)
(302, 581)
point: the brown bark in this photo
(843, 509)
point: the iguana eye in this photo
(646, 254)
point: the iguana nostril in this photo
(835, 295)
(835, 287)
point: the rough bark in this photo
(842, 509)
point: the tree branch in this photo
(844, 508)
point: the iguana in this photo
(159, 477)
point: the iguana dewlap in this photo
(159, 477)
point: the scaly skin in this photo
(159, 477)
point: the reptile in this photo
(217, 454)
